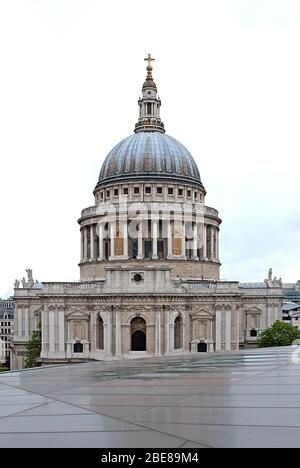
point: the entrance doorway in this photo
(138, 341)
(202, 347)
(138, 334)
(78, 348)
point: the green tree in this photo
(33, 349)
(279, 334)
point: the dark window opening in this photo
(125, 190)
(116, 192)
(133, 248)
(253, 333)
(180, 192)
(107, 249)
(100, 332)
(78, 348)
(148, 248)
(170, 191)
(138, 334)
(202, 347)
(178, 335)
(138, 278)
(159, 190)
(148, 190)
(136, 190)
(148, 108)
(160, 249)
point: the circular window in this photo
(137, 278)
(149, 92)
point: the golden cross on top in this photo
(149, 59)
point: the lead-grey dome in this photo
(149, 155)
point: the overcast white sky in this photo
(228, 73)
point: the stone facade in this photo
(149, 265)
(6, 329)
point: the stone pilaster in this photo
(157, 332)
(218, 324)
(227, 329)
(154, 238)
(195, 242)
(101, 240)
(92, 243)
(140, 242)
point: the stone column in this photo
(26, 322)
(51, 331)
(107, 343)
(45, 337)
(140, 242)
(112, 240)
(167, 332)
(183, 252)
(195, 242)
(81, 246)
(157, 332)
(184, 332)
(228, 330)
(217, 245)
(118, 342)
(237, 324)
(61, 331)
(218, 330)
(92, 243)
(170, 250)
(269, 315)
(125, 238)
(194, 330)
(101, 235)
(93, 320)
(211, 253)
(204, 242)
(154, 238)
(85, 244)
(19, 322)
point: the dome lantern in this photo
(149, 104)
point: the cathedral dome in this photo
(149, 155)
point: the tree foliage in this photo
(33, 349)
(279, 334)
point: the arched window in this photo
(178, 335)
(100, 333)
(138, 334)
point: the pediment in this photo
(202, 314)
(77, 315)
(253, 310)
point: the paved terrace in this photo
(245, 399)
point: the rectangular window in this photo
(189, 193)
(180, 192)
(116, 192)
(159, 190)
(170, 190)
(107, 193)
(125, 190)
(196, 195)
(148, 190)
(148, 249)
(148, 108)
(101, 195)
(136, 190)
